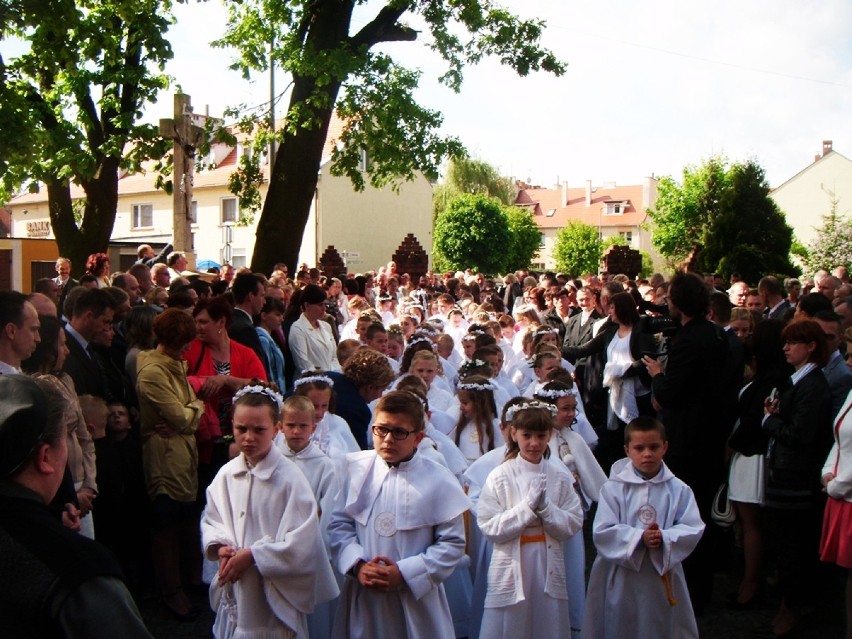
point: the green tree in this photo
(466, 175)
(725, 211)
(525, 237)
(472, 232)
(70, 105)
(335, 66)
(832, 245)
(578, 249)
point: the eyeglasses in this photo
(398, 434)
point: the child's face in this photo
(407, 326)
(469, 348)
(495, 362)
(394, 349)
(298, 426)
(566, 411)
(118, 420)
(379, 342)
(456, 320)
(425, 370)
(361, 328)
(547, 365)
(548, 338)
(532, 443)
(254, 430)
(508, 332)
(320, 399)
(388, 448)
(646, 450)
(466, 404)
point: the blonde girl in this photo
(477, 430)
(425, 365)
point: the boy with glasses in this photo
(398, 532)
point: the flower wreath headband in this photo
(419, 340)
(310, 379)
(551, 394)
(257, 389)
(487, 386)
(514, 410)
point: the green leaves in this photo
(724, 210)
(473, 232)
(578, 249)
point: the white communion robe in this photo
(527, 596)
(411, 513)
(269, 508)
(480, 547)
(469, 442)
(628, 594)
(572, 449)
(334, 437)
(321, 473)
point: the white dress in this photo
(527, 596)
(470, 445)
(746, 478)
(269, 508)
(411, 513)
(572, 450)
(313, 348)
(635, 591)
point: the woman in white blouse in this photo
(311, 340)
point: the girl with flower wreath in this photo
(478, 429)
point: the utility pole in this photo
(187, 136)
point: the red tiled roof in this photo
(543, 200)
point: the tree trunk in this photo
(93, 235)
(293, 181)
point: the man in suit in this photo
(90, 324)
(836, 372)
(19, 334)
(772, 293)
(688, 392)
(63, 279)
(249, 290)
(579, 329)
(146, 255)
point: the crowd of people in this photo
(376, 455)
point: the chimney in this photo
(649, 192)
(826, 147)
(588, 193)
(564, 200)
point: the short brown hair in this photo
(807, 331)
(174, 328)
(403, 403)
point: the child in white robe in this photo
(260, 523)
(480, 547)
(527, 508)
(647, 523)
(571, 449)
(398, 533)
(332, 433)
(295, 441)
(477, 430)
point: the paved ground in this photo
(825, 622)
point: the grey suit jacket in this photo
(839, 379)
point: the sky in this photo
(650, 87)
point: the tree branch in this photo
(385, 28)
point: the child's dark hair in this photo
(418, 342)
(475, 367)
(561, 375)
(533, 416)
(551, 392)
(315, 380)
(260, 393)
(415, 385)
(644, 424)
(505, 422)
(484, 410)
(402, 402)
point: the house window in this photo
(238, 258)
(229, 210)
(550, 212)
(541, 240)
(193, 212)
(142, 216)
(627, 236)
(614, 208)
(364, 162)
